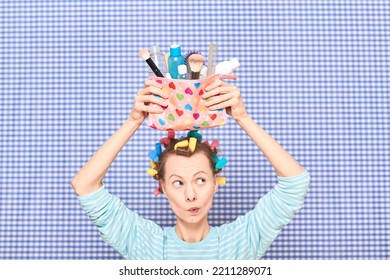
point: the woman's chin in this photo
(192, 218)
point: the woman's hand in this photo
(145, 98)
(223, 95)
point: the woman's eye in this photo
(177, 184)
(200, 181)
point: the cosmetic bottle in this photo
(158, 59)
(174, 60)
(203, 72)
(182, 71)
(227, 67)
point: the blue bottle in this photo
(174, 60)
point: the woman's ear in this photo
(161, 186)
(215, 183)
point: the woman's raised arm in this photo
(90, 176)
(224, 95)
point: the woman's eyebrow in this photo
(200, 172)
(182, 177)
(175, 175)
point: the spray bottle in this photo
(227, 67)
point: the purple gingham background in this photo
(314, 74)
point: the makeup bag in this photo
(186, 109)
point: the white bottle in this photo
(182, 70)
(203, 72)
(158, 59)
(227, 67)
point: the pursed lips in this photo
(193, 210)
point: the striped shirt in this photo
(248, 237)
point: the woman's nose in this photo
(190, 194)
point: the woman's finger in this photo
(223, 105)
(152, 99)
(228, 93)
(218, 99)
(149, 109)
(152, 90)
(217, 91)
(150, 82)
(213, 85)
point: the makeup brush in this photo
(187, 55)
(144, 54)
(196, 62)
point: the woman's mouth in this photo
(194, 210)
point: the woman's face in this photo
(189, 185)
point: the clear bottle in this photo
(227, 67)
(158, 59)
(182, 71)
(175, 59)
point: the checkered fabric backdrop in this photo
(314, 74)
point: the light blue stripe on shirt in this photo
(248, 237)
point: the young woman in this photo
(187, 175)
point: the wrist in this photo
(132, 124)
(246, 123)
(243, 118)
(137, 121)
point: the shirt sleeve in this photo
(120, 227)
(274, 210)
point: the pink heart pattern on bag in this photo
(188, 91)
